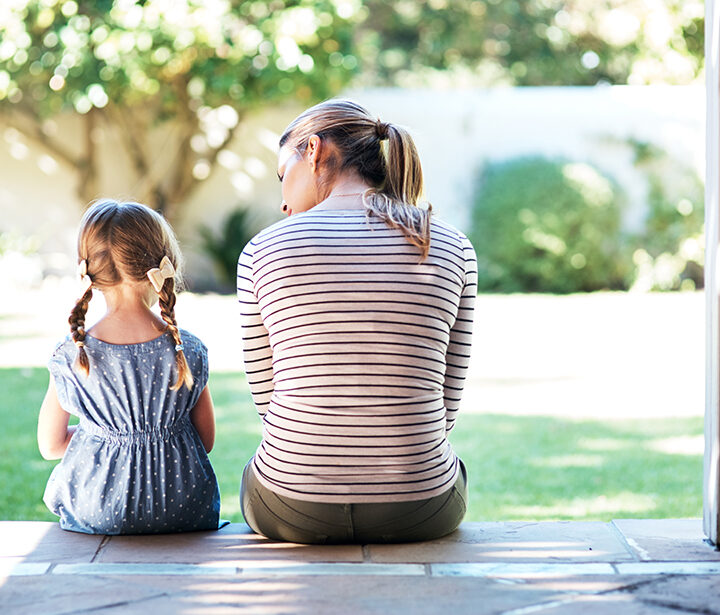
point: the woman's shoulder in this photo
(276, 229)
(441, 227)
(299, 225)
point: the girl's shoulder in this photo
(64, 348)
(192, 342)
(67, 347)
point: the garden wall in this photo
(456, 132)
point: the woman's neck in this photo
(348, 184)
(346, 193)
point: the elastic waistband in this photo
(145, 435)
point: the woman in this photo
(357, 318)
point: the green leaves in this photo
(137, 66)
(67, 53)
(534, 42)
(542, 225)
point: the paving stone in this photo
(513, 542)
(573, 585)
(335, 569)
(234, 544)
(17, 566)
(519, 569)
(698, 594)
(346, 595)
(58, 595)
(187, 570)
(40, 541)
(667, 539)
(611, 604)
(560, 568)
(653, 568)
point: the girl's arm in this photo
(53, 433)
(202, 417)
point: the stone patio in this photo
(636, 567)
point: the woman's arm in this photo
(257, 352)
(53, 432)
(202, 417)
(457, 357)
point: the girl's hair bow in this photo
(158, 275)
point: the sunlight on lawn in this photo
(519, 467)
(535, 448)
(581, 508)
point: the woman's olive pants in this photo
(282, 518)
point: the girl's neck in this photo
(129, 318)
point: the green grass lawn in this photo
(520, 467)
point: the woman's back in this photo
(369, 348)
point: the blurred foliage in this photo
(543, 225)
(12, 241)
(133, 64)
(670, 253)
(192, 69)
(224, 247)
(531, 42)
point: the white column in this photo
(711, 483)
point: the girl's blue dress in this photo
(135, 465)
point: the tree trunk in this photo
(88, 181)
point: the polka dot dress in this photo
(136, 465)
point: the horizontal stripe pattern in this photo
(356, 353)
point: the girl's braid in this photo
(166, 301)
(77, 328)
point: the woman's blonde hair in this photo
(121, 242)
(382, 154)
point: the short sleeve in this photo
(61, 369)
(200, 370)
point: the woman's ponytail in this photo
(395, 201)
(404, 179)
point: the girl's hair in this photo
(121, 242)
(392, 168)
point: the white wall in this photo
(456, 132)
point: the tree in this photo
(531, 42)
(198, 65)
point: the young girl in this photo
(137, 461)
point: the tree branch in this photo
(88, 184)
(133, 137)
(31, 127)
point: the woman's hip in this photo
(284, 518)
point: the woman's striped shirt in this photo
(356, 353)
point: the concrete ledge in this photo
(512, 567)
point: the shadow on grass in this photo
(520, 467)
